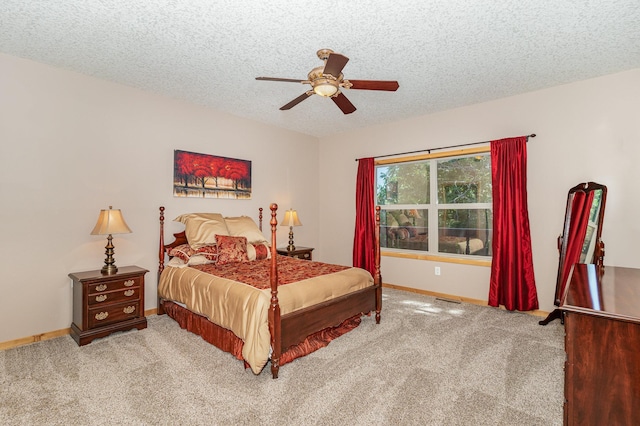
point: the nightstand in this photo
(299, 252)
(104, 304)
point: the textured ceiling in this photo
(444, 54)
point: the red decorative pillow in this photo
(210, 252)
(262, 251)
(183, 251)
(231, 249)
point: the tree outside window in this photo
(452, 193)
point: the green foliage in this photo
(465, 180)
(405, 183)
(460, 181)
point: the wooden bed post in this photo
(160, 309)
(260, 218)
(275, 326)
(377, 279)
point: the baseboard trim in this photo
(451, 297)
(49, 335)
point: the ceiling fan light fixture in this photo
(327, 80)
(325, 87)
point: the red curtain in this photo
(364, 240)
(578, 221)
(512, 280)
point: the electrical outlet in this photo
(437, 270)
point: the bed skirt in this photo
(227, 341)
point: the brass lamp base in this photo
(291, 247)
(109, 267)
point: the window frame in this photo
(434, 207)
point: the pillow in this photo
(263, 251)
(209, 252)
(176, 262)
(244, 226)
(231, 249)
(198, 259)
(258, 251)
(182, 252)
(201, 228)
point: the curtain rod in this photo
(532, 135)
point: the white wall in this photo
(587, 131)
(72, 145)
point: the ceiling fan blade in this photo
(297, 100)
(343, 103)
(292, 80)
(390, 86)
(334, 64)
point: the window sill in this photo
(437, 258)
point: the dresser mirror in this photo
(580, 240)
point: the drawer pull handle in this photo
(129, 309)
(129, 283)
(102, 315)
(101, 298)
(129, 292)
(101, 287)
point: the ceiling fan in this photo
(327, 80)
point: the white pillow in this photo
(251, 252)
(201, 228)
(176, 262)
(198, 259)
(244, 226)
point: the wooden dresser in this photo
(601, 310)
(104, 304)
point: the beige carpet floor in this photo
(429, 362)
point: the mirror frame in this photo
(563, 240)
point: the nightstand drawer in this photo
(104, 286)
(102, 315)
(131, 294)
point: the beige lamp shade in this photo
(291, 218)
(110, 222)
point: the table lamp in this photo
(291, 220)
(110, 222)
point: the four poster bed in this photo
(238, 294)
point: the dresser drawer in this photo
(106, 286)
(100, 316)
(109, 297)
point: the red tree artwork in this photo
(210, 176)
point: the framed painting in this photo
(210, 176)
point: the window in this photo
(436, 204)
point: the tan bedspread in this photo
(244, 309)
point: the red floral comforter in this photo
(256, 273)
